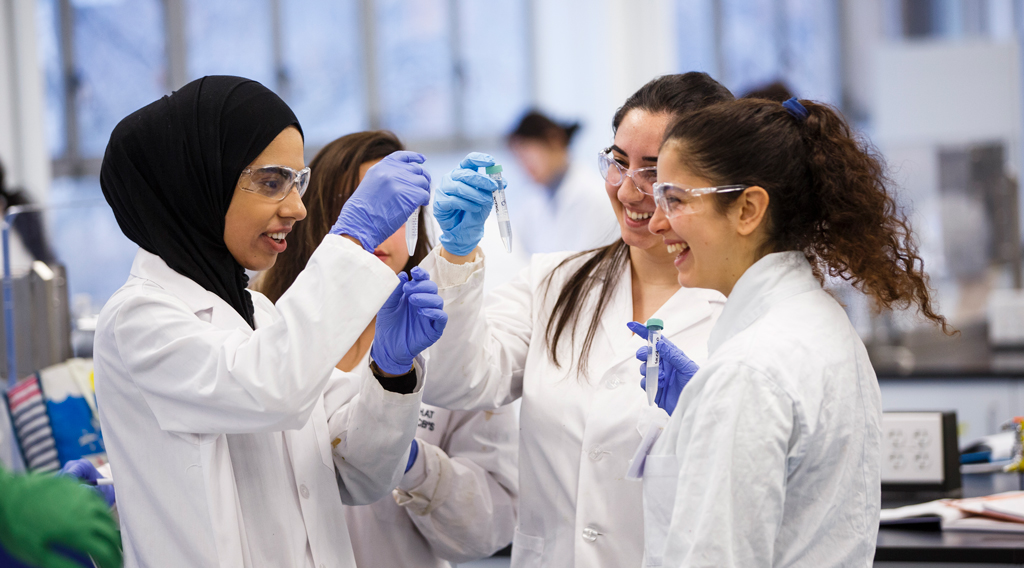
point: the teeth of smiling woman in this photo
(277, 236)
(677, 247)
(638, 216)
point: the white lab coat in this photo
(578, 216)
(456, 503)
(182, 383)
(771, 457)
(577, 434)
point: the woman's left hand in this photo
(674, 371)
(410, 321)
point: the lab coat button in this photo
(590, 534)
(304, 492)
(595, 454)
(613, 383)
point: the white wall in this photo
(593, 54)
(981, 405)
(23, 147)
(947, 92)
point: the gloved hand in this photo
(390, 191)
(463, 203)
(674, 370)
(85, 471)
(39, 512)
(414, 450)
(411, 320)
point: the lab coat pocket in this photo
(526, 550)
(661, 477)
(322, 432)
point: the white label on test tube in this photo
(500, 207)
(654, 327)
(412, 231)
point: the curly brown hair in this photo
(829, 195)
(334, 176)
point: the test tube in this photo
(500, 207)
(654, 327)
(412, 231)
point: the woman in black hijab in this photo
(228, 433)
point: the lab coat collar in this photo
(772, 279)
(687, 307)
(152, 268)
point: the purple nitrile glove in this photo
(85, 471)
(674, 371)
(390, 191)
(411, 320)
(414, 451)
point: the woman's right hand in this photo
(390, 191)
(462, 204)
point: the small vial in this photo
(654, 327)
(412, 231)
(500, 207)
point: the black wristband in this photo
(402, 384)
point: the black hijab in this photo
(170, 171)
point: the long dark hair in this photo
(829, 196)
(668, 94)
(334, 176)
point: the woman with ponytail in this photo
(771, 457)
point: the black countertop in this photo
(900, 545)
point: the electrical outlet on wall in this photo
(919, 451)
(912, 447)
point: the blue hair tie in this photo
(796, 109)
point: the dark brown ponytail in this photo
(668, 94)
(829, 195)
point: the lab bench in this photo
(899, 548)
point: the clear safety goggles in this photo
(275, 182)
(676, 200)
(614, 173)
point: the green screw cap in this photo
(655, 323)
(495, 169)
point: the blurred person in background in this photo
(776, 91)
(565, 210)
(457, 499)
